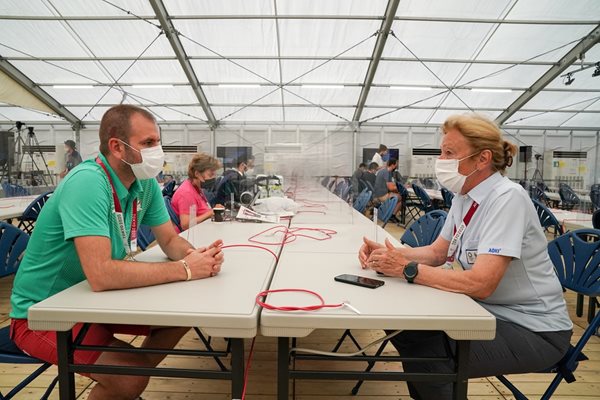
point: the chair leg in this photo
(23, 384)
(579, 305)
(513, 389)
(48, 391)
(592, 309)
(552, 387)
(206, 343)
(347, 334)
(356, 387)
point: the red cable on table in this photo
(314, 307)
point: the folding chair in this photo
(13, 242)
(169, 188)
(547, 219)
(172, 214)
(410, 205)
(12, 190)
(31, 213)
(576, 259)
(425, 203)
(144, 237)
(421, 233)
(568, 198)
(448, 196)
(360, 203)
(386, 210)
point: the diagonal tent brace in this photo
(386, 25)
(40, 94)
(172, 35)
(567, 60)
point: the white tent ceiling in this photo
(286, 61)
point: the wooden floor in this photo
(262, 384)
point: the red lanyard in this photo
(200, 192)
(130, 245)
(458, 232)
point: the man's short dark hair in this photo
(392, 161)
(373, 165)
(382, 147)
(70, 143)
(116, 123)
(362, 165)
(241, 160)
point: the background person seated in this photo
(202, 167)
(385, 187)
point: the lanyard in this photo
(461, 229)
(129, 245)
(200, 192)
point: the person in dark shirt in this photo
(72, 157)
(357, 179)
(369, 176)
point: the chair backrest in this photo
(595, 195)
(596, 219)
(567, 195)
(33, 210)
(424, 197)
(386, 209)
(362, 200)
(12, 190)
(169, 188)
(13, 242)
(536, 193)
(144, 236)
(345, 195)
(576, 259)
(341, 187)
(547, 219)
(448, 196)
(172, 214)
(425, 230)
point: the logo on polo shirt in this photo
(494, 250)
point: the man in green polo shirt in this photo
(80, 235)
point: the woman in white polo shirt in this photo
(492, 231)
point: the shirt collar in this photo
(480, 192)
(121, 190)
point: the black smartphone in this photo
(359, 281)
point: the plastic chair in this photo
(595, 195)
(410, 205)
(386, 210)
(576, 259)
(568, 198)
(425, 203)
(425, 230)
(172, 214)
(547, 219)
(12, 190)
(169, 189)
(31, 213)
(448, 196)
(536, 193)
(144, 237)
(13, 242)
(360, 204)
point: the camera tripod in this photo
(537, 175)
(26, 147)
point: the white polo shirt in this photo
(506, 224)
(377, 159)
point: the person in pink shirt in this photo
(202, 168)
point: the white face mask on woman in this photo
(446, 172)
(153, 159)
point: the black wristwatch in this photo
(411, 270)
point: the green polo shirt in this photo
(82, 205)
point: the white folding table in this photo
(13, 207)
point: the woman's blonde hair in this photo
(202, 162)
(483, 134)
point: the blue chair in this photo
(568, 198)
(410, 205)
(448, 196)
(547, 219)
(425, 203)
(144, 237)
(31, 213)
(360, 204)
(425, 230)
(12, 190)
(169, 188)
(172, 215)
(386, 210)
(13, 242)
(576, 259)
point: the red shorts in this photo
(42, 344)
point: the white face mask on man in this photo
(446, 172)
(153, 159)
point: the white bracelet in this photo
(187, 269)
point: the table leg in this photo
(237, 368)
(66, 379)
(283, 371)
(462, 364)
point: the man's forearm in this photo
(177, 248)
(118, 274)
(425, 255)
